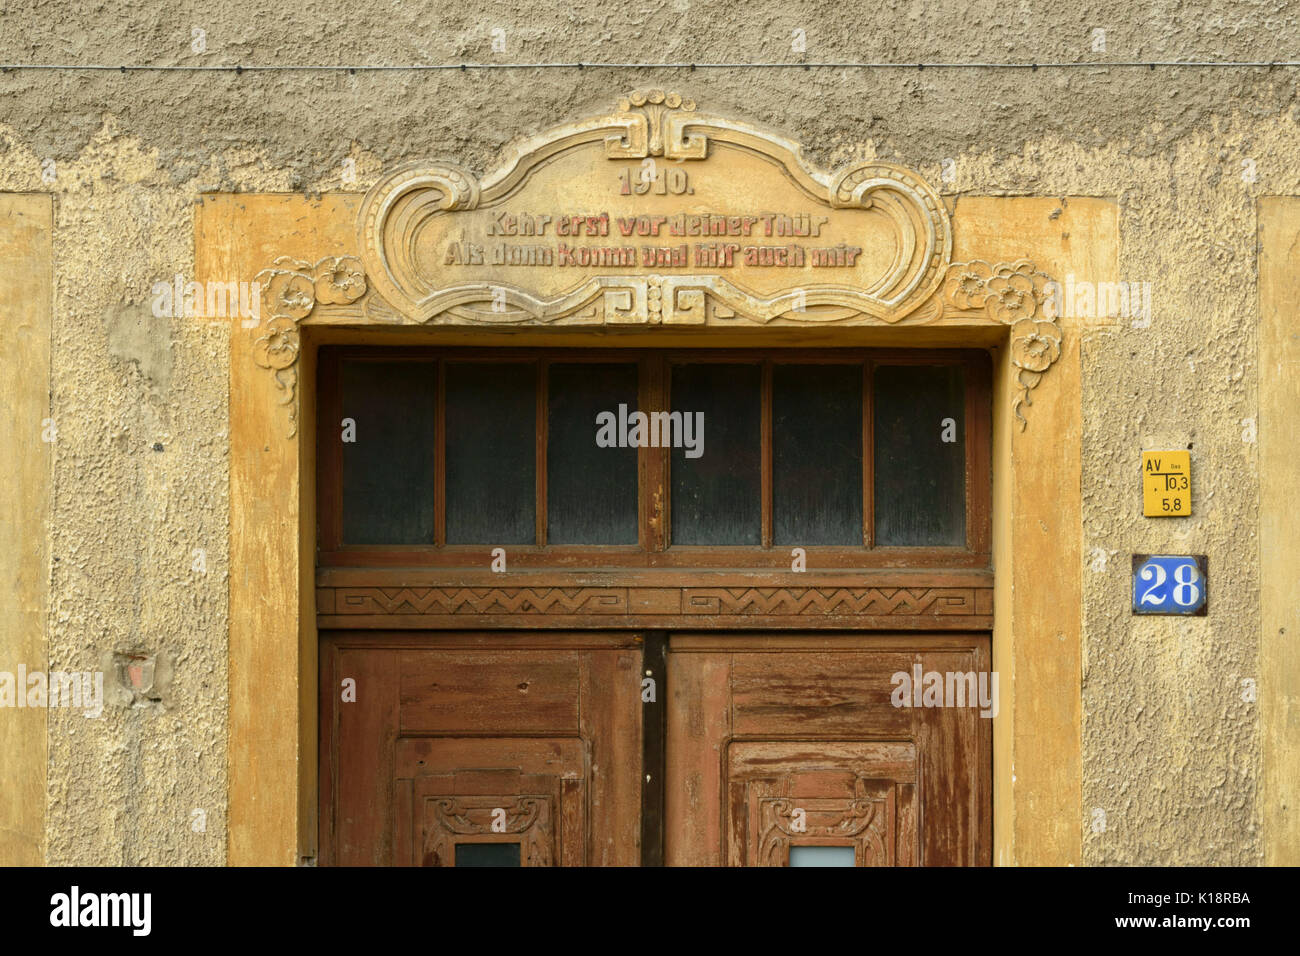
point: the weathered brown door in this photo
(778, 743)
(526, 749)
(480, 749)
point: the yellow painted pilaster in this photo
(26, 302)
(1279, 527)
(1037, 533)
(272, 525)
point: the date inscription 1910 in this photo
(696, 239)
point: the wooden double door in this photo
(616, 748)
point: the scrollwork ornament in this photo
(655, 126)
(419, 229)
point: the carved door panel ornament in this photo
(655, 214)
(526, 820)
(860, 795)
(481, 748)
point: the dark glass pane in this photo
(590, 490)
(920, 490)
(388, 470)
(817, 454)
(487, 854)
(716, 495)
(491, 449)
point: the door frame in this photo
(1036, 450)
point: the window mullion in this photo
(543, 423)
(766, 439)
(440, 456)
(868, 456)
(653, 396)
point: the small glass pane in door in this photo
(822, 856)
(387, 434)
(487, 854)
(591, 491)
(817, 454)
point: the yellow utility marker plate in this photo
(1166, 484)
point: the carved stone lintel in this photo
(871, 240)
(408, 238)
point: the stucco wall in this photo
(1171, 750)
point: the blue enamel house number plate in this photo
(1169, 584)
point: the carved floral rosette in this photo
(1015, 294)
(291, 289)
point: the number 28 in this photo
(1186, 585)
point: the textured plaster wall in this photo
(1171, 751)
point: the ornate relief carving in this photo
(481, 601)
(656, 214)
(860, 793)
(821, 601)
(291, 289)
(1016, 294)
(429, 233)
(862, 822)
(446, 818)
(520, 814)
(654, 128)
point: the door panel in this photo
(457, 742)
(859, 795)
(529, 793)
(787, 741)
